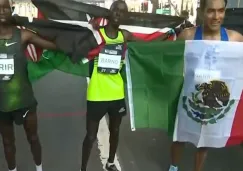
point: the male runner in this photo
(17, 101)
(105, 92)
(212, 13)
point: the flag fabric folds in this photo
(182, 87)
(73, 39)
(55, 60)
(145, 26)
(189, 81)
(77, 39)
(154, 79)
(210, 107)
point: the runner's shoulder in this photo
(126, 34)
(124, 31)
(187, 34)
(234, 35)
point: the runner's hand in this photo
(171, 32)
(168, 35)
(95, 23)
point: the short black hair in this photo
(117, 2)
(203, 3)
(185, 13)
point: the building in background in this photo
(165, 8)
(175, 7)
(235, 4)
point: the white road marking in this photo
(103, 141)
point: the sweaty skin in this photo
(119, 11)
(212, 16)
(29, 37)
(7, 28)
(189, 33)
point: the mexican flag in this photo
(154, 80)
(194, 91)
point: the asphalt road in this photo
(61, 114)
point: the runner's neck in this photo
(111, 31)
(208, 32)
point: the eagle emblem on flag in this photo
(209, 102)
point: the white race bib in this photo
(6, 66)
(3, 56)
(109, 61)
(204, 75)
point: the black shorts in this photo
(17, 116)
(96, 110)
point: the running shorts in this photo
(18, 116)
(97, 109)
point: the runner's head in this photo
(213, 13)
(118, 10)
(5, 11)
(185, 14)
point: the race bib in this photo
(6, 67)
(204, 75)
(109, 59)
